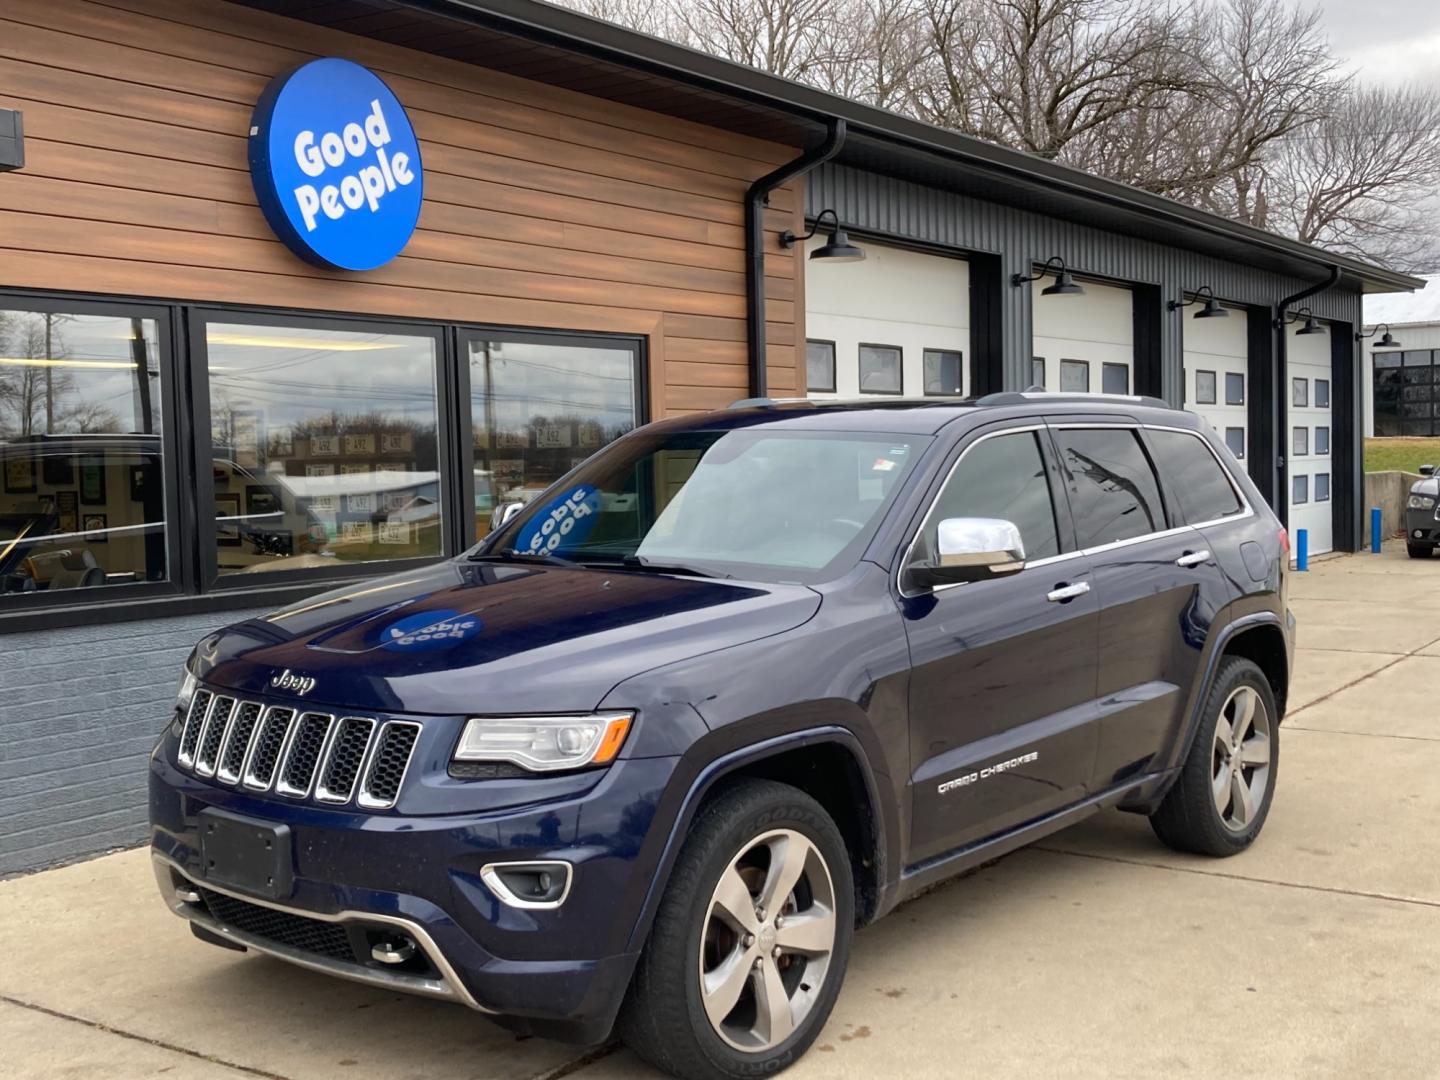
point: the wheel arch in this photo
(827, 763)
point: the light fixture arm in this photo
(1297, 314)
(1045, 270)
(788, 238)
(1205, 292)
(1374, 332)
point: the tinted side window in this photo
(1114, 494)
(1002, 477)
(1195, 477)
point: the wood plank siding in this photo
(543, 207)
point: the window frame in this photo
(1300, 382)
(189, 485)
(1235, 375)
(834, 369)
(177, 524)
(898, 350)
(1106, 366)
(1225, 437)
(1075, 363)
(1319, 382)
(925, 355)
(1213, 399)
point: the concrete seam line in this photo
(98, 1026)
(1361, 734)
(1414, 901)
(1368, 675)
(582, 1062)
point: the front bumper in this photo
(1421, 527)
(560, 972)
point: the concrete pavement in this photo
(1097, 953)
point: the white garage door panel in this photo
(1216, 365)
(905, 299)
(1095, 329)
(1311, 477)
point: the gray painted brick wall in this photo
(80, 710)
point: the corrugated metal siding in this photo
(868, 202)
(80, 710)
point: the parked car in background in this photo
(1422, 518)
(645, 758)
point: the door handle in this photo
(1193, 558)
(1064, 593)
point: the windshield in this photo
(752, 503)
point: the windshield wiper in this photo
(542, 557)
(644, 562)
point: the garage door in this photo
(1217, 374)
(1083, 344)
(896, 323)
(1308, 445)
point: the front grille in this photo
(306, 746)
(281, 927)
(335, 760)
(387, 768)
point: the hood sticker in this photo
(429, 631)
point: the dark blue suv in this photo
(646, 757)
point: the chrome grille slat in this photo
(270, 742)
(233, 754)
(340, 770)
(216, 726)
(194, 724)
(389, 762)
(308, 742)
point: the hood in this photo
(493, 638)
(1428, 486)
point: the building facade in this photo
(199, 425)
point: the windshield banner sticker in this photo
(564, 521)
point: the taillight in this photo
(1284, 542)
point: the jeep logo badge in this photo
(301, 684)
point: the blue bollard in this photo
(1302, 549)
(1375, 530)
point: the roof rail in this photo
(1027, 397)
(766, 402)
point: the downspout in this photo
(1280, 414)
(756, 199)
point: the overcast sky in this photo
(1386, 40)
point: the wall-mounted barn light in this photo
(1064, 283)
(836, 249)
(1312, 324)
(1212, 308)
(1385, 342)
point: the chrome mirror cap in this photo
(975, 548)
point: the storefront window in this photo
(324, 444)
(82, 500)
(540, 406)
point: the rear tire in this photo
(1227, 781)
(725, 988)
(1419, 551)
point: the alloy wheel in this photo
(767, 941)
(1240, 768)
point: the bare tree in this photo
(792, 38)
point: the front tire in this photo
(1222, 797)
(750, 942)
(1419, 551)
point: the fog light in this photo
(394, 950)
(186, 895)
(528, 884)
(1418, 533)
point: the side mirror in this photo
(503, 513)
(1427, 470)
(972, 549)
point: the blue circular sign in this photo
(336, 165)
(428, 631)
(565, 521)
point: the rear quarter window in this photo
(1195, 479)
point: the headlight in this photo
(187, 691)
(1420, 502)
(545, 743)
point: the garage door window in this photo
(1204, 388)
(1114, 493)
(942, 372)
(1300, 440)
(1322, 393)
(1322, 440)
(1037, 371)
(880, 367)
(1300, 490)
(1322, 487)
(1300, 393)
(1115, 379)
(1074, 377)
(1234, 388)
(820, 366)
(1235, 440)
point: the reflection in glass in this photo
(324, 445)
(880, 369)
(538, 408)
(942, 371)
(81, 496)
